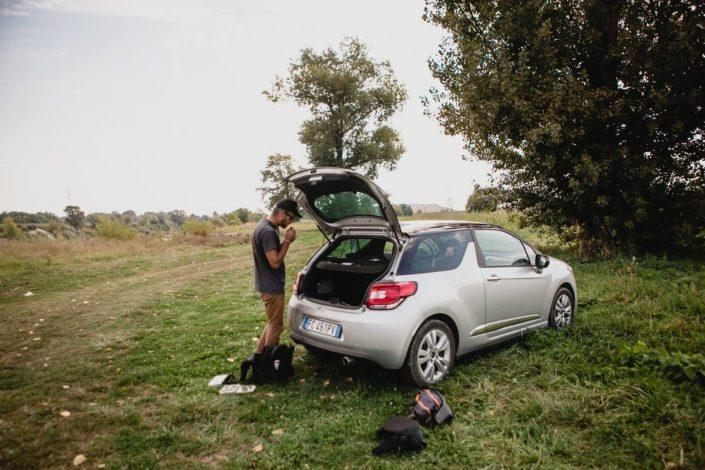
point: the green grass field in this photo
(125, 336)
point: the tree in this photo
(243, 214)
(406, 210)
(74, 216)
(484, 199)
(10, 229)
(350, 97)
(273, 187)
(177, 216)
(592, 111)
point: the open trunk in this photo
(344, 272)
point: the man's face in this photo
(286, 218)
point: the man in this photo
(269, 254)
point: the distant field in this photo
(125, 335)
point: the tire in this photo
(434, 341)
(562, 309)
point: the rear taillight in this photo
(297, 284)
(386, 295)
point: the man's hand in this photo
(290, 234)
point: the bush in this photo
(10, 228)
(231, 218)
(55, 228)
(114, 229)
(243, 214)
(201, 228)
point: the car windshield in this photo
(337, 206)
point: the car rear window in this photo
(434, 252)
(337, 206)
(362, 248)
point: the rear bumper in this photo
(378, 335)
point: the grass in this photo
(135, 329)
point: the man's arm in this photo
(276, 258)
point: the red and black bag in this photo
(430, 408)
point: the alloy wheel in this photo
(433, 356)
(562, 311)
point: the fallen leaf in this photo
(278, 432)
(326, 383)
(231, 359)
(37, 338)
(85, 301)
(255, 339)
(28, 294)
(257, 448)
(348, 379)
(269, 394)
(302, 381)
(101, 465)
(65, 414)
(66, 387)
(493, 412)
(79, 459)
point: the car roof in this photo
(417, 227)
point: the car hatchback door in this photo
(514, 289)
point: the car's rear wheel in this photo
(431, 354)
(562, 309)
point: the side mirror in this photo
(542, 261)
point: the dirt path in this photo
(68, 321)
(71, 321)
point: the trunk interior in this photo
(342, 274)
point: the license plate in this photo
(322, 327)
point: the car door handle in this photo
(494, 278)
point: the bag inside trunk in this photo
(344, 272)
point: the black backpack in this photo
(399, 434)
(273, 365)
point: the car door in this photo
(514, 288)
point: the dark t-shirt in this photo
(266, 238)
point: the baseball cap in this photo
(289, 205)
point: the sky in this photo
(155, 105)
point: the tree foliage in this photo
(272, 177)
(406, 210)
(484, 199)
(74, 216)
(592, 111)
(10, 229)
(351, 97)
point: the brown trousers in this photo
(274, 306)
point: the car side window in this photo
(501, 249)
(435, 252)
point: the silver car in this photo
(415, 295)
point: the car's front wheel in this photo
(431, 354)
(562, 309)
